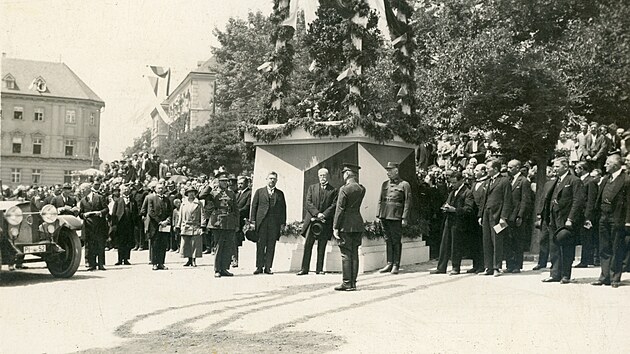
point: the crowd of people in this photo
(473, 201)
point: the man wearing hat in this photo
(158, 211)
(613, 202)
(221, 214)
(321, 199)
(243, 202)
(124, 220)
(348, 225)
(566, 206)
(93, 210)
(268, 215)
(393, 213)
(65, 203)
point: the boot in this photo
(189, 263)
(386, 269)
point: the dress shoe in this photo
(118, 263)
(471, 271)
(395, 269)
(386, 269)
(551, 280)
(217, 275)
(565, 280)
(225, 273)
(344, 287)
(207, 252)
(106, 249)
(140, 249)
(91, 269)
(155, 267)
(258, 271)
(597, 263)
(101, 268)
(437, 271)
(538, 267)
(487, 272)
(126, 262)
(134, 249)
(188, 264)
(454, 272)
(268, 271)
(321, 272)
(600, 283)
(580, 265)
(497, 273)
(302, 272)
(615, 284)
(162, 267)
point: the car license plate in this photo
(35, 249)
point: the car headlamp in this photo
(49, 214)
(50, 228)
(14, 216)
(14, 232)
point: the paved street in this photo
(134, 309)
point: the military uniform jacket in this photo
(221, 210)
(395, 200)
(347, 213)
(320, 200)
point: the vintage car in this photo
(28, 236)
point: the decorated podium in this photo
(337, 122)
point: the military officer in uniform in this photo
(222, 215)
(393, 214)
(348, 225)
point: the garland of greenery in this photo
(399, 59)
(283, 57)
(373, 230)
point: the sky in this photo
(109, 43)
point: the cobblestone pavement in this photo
(134, 309)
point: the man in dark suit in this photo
(268, 215)
(348, 226)
(614, 223)
(93, 210)
(475, 148)
(65, 203)
(321, 199)
(458, 209)
(494, 212)
(587, 230)
(542, 219)
(520, 219)
(139, 195)
(243, 203)
(475, 237)
(566, 205)
(158, 210)
(55, 193)
(125, 217)
(597, 147)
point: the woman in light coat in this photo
(190, 228)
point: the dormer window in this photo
(39, 84)
(9, 82)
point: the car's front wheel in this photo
(64, 265)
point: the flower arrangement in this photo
(373, 230)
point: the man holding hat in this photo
(566, 205)
(348, 225)
(393, 213)
(65, 203)
(125, 216)
(221, 214)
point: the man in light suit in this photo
(614, 222)
(495, 210)
(268, 215)
(93, 210)
(520, 219)
(348, 226)
(566, 207)
(321, 199)
(597, 146)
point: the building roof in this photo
(60, 80)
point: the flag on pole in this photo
(160, 71)
(154, 82)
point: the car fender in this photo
(70, 221)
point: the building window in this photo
(39, 114)
(18, 112)
(93, 148)
(37, 176)
(69, 147)
(92, 119)
(71, 116)
(16, 175)
(67, 176)
(10, 84)
(17, 145)
(37, 146)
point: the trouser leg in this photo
(476, 248)
(393, 231)
(488, 244)
(445, 248)
(224, 250)
(308, 249)
(555, 253)
(586, 239)
(545, 239)
(457, 249)
(321, 254)
(619, 253)
(270, 251)
(261, 244)
(346, 263)
(605, 248)
(568, 255)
